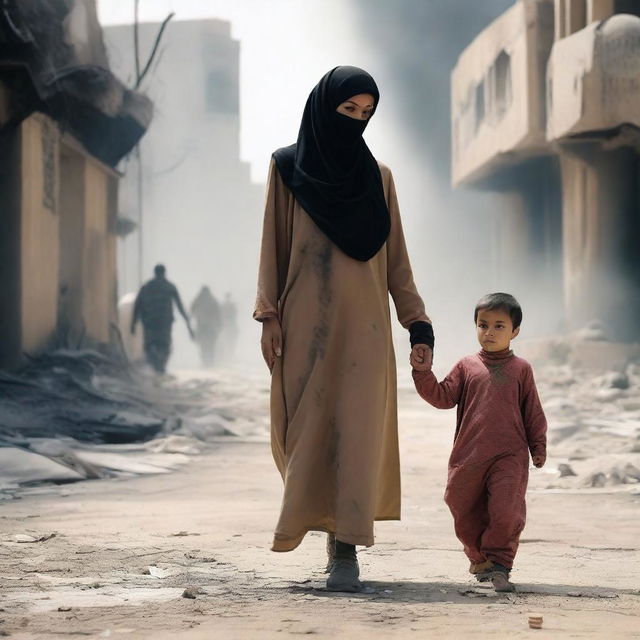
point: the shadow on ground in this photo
(462, 593)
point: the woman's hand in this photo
(271, 341)
(421, 357)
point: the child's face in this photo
(495, 330)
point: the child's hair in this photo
(502, 301)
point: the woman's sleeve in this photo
(275, 247)
(408, 303)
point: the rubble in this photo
(615, 380)
(74, 415)
(78, 415)
(593, 412)
(566, 470)
(614, 475)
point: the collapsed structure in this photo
(546, 113)
(65, 122)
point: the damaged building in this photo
(198, 203)
(65, 122)
(546, 114)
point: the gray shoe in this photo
(345, 572)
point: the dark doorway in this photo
(10, 334)
(71, 208)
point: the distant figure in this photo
(154, 308)
(229, 335)
(206, 311)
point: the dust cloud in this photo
(204, 180)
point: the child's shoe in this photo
(482, 570)
(500, 579)
(495, 573)
(501, 583)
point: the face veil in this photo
(330, 170)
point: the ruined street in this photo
(186, 554)
(171, 172)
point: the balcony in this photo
(594, 80)
(498, 93)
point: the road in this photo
(125, 551)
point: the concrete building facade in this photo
(58, 192)
(546, 113)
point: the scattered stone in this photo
(631, 472)
(174, 444)
(566, 470)
(191, 592)
(24, 538)
(596, 480)
(588, 594)
(64, 608)
(615, 380)
(471, 593)
(616, 475)
(535, 621)
(156, 572)
(182, 534)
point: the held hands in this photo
(271, 341)
(421, 357)
(538, 461)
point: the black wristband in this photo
(421, 333)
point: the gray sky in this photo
(286, 46)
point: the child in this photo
(499, 420)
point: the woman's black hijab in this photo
(331, 171)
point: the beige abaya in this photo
(334, 432)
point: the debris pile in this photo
(591, 396)
(71, 415)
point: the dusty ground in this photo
(125, 550)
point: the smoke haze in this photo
(410, 47)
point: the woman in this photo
(332, 250)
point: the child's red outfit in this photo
(499, 421)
